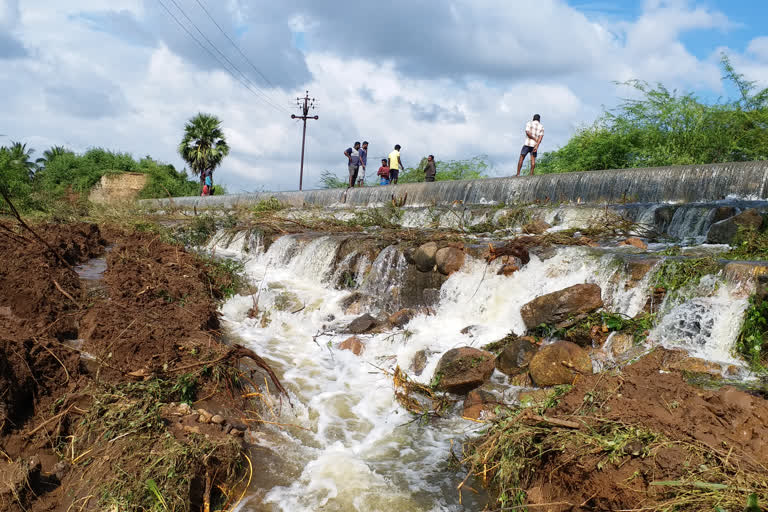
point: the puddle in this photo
(92, 271)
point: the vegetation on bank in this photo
(447, 170)
(659, 127)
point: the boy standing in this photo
(395, 165)
(383, 173)
(363, 162)
(353, 162)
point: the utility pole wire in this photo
(266, 98)
(235, 45)
(201, 45)
(309, 103)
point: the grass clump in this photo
(675, 274)
(131, 460)
(267, 206)
(752, 343)
(749, 244)
(227, 276)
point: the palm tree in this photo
(21, 156)
(51, 154)
(203, 146)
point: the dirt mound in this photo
(638, 439)
(161, 308)
(91, 380)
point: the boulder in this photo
(352, 344)
(536, 227)
(462, 369)
(402, 317)
(449, 260)
(508, 269)
(516, 355)
(424, 256)
(724, 232)
(619, 344)
(559, 363)
(419, 362)
(288, 301)
(479, 403)
(361, 324)
(562, 308)
(635, 242)
(722, 213)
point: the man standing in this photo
(363, 162)
(353, 157)
(429, 169)
(534, 132)
(395, 164)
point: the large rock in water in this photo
(562, 308)
(516, 356)
(449, 260)
(424, 256)
(361, 324)
(536, 227)
(559, 363)
(462, 369)
(724, 232)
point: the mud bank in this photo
(118, 396)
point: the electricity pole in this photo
(308, 103)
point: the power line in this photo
(201, 45)
(235, 45)
(266, 98)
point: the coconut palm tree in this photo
(51, 154)
(203, 146)
(21, 156)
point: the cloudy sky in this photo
(456, 78)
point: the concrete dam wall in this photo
(678, 184)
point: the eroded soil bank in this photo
(118, 396)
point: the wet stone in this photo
(361, 324)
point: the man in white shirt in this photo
(534, 132)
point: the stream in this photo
(347, 444)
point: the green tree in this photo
(662, 127)
(448, 170)
(203, 145)
(21, 156)
(50, 154)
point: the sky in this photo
(453, 78)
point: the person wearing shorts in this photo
(353, 162)
(383, 173)
(534, 132)
(363, 162)
(395, 164)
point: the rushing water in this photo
(357, 448)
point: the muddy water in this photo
(352, 447)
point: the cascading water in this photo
(348, 444)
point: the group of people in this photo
(389, 172)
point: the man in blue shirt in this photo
(353, 165)
(363, 162)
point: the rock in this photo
(662, 217)
(449, 260)
(738, 271)
(419, 362)
(189, 429)
(533, 397)
(683, 363)
(408, 253)
(635, 242)
(470, 330)
(361, 324)
(237, 433)
(479, 403)
(619, 344)
(559, 363)
(722, 213)
(352, 344)
(536, 227)
(522, 380)
(516, 355)
(431, 296)
(184, 409)
(402, 317)
(463, 369)
(638, 269)
(724, 232)
(562, 308)
(205, 416)
(288, 301)
(218, 419)
(508, 269)
(424, 256)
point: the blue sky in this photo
(455, 78)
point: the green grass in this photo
(753, 337)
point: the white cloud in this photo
(454, 82)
